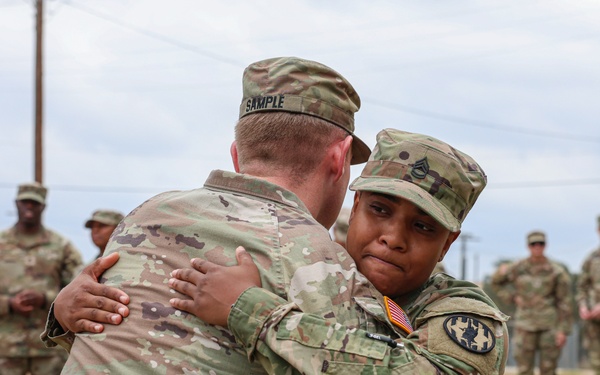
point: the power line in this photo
(97, 189)
(156, 36)
(482, 123)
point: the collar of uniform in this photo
(27, 241)
(254, 186)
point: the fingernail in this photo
(114, 318)
(123, 299)
(97, 328)
(121, 311)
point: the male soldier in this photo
(588, 300)
(294, 144)
(541, 291)
(410, 201)
(340, 228)
(102, 224)
(35, 263)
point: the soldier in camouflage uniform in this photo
(35, 263)
(411, 199)
(294, 145)
(101, 225)
(541, 291)
(588, 300)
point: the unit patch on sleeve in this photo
(470, 333)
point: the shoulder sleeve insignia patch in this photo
(397, 316)
(470, 333)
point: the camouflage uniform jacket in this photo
(457, 330)
(588, 285)
(541, 292)
(45, 262)
(295, 254)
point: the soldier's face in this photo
(101, 233)
(537, 249)
(394, 243)
(30, 212)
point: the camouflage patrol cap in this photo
(107, 217)
(32, 191)
(340, 228)
(439, 179)
(291, 84)
(536, 236)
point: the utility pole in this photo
(464, 237)
(39, 91)
(476, 278)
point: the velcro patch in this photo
(397, 316)
(470, 333)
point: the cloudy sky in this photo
(142, 96)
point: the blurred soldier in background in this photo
(541, 291)
(35, 263)
(102, 224)
(340, 228)
(588, 300)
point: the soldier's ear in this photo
(452, 236)
(341, 152)
(234, 156)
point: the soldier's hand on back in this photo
(85, 303)
(214, 288)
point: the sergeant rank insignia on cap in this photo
(420, 168)
(397, 316)
(470, 333)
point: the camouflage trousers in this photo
(32, 365)
(591, 335)
(526, 344)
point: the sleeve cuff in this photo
(252, 310)
(54, 334)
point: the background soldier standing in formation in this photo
(340, 228)
(35, 263)
(102, 224)
(588, 300)
(541, 292)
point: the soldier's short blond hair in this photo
(290, 143)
